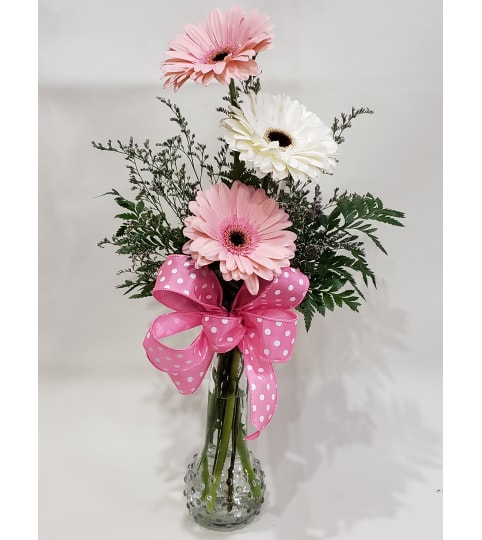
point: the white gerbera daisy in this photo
(277, 135)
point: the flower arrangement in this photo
(234, 242)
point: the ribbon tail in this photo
(263, 391)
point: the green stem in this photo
(204, 475)
(234, 437)
(232, 93)
(246, 461)
(225, 430)
(210, 425)
(238, 167)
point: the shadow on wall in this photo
(342, 419)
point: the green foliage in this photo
(161, 180)
(330, 249)
(145, 237)
(330, 244)
(331, 235)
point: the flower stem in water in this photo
(225, 429)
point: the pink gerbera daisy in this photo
(243, 229)
(221, 48)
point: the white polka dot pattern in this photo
(181, 286)
(262, 326)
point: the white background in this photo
(354, 451)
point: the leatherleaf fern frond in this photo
(330, 245)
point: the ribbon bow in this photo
(262, 326)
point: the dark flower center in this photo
(237, 238)
(276, 135)
(220, 56)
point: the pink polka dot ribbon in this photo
(262, 326)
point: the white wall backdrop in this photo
(354, 450)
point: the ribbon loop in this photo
(182, 287)
(262, 326)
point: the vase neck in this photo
(227, 401)
(227, 374)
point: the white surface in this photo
(354, 450)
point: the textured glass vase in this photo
(224, 484)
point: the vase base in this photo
(231, 508)
(222, 525)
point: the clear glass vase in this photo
(224, 484)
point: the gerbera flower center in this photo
(220, 56)
(281, 137)
(238, 237)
